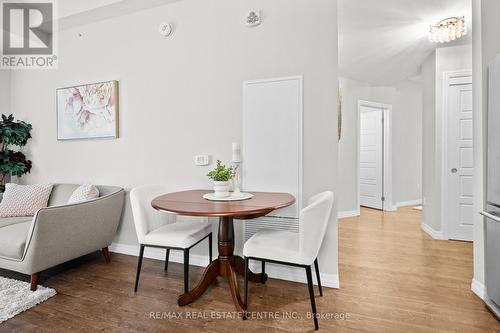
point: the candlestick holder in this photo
(236, 178)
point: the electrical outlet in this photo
(202, 160)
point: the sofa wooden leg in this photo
(105, 252)
(34, 281)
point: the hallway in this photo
(395, 278)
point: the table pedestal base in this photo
(226, 265)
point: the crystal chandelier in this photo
(447, 30)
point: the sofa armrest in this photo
(62, 233)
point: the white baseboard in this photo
(408, 203)
(478, 288)
(346, 214)
(431, 232)
(273, 271)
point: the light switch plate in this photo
(202, 160)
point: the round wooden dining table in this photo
(227, 265)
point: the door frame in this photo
(463, 76)
(387, 152)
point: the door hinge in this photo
(383, 198)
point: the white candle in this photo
(236, 158)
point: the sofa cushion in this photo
(84, 193)
(61, 194)
(5, 221)
(13, 240)
(24, 200)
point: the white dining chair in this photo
(291, 248)
(162, 230)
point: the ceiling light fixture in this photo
(448, 30)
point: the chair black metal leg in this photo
(311, 295)
(186, 270)
(210, 248)
(247, 261)
(167, 256)
(316, 267)
(139, 264)
(263, 276)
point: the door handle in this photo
(454, 170)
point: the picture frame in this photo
(88, 111)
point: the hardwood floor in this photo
(394, 278)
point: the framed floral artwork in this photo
(88, 111)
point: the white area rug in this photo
(16, 297)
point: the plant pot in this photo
(221, 189)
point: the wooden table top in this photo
(192, 203)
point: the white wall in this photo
(445, 59)
(431, 198)
(407, 143)
(405, 97)
(182, 95)
(5, 92)
(486, 46)
(352, 92)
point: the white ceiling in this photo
(385, 41)
(74, 13)
(67, 8)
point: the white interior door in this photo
(459, 166)
(371, 166)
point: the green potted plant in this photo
(221, 176)
(13, 163)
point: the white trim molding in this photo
(346, 214)
(273, 271)
(478, 288)
(408, 203)
(432, 232)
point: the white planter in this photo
(221, 189)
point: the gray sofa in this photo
(60, 232)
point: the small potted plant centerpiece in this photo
(221, 176)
